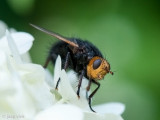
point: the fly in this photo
(81, 56)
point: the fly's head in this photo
(97, 68)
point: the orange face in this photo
(98, 68)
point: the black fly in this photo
(81, 56)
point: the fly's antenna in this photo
(60, 37)
(112, 73)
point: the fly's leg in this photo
(88, 88)
(49, 59)
(65, 67)
(80, 82)
(67, 61)
(93, 93)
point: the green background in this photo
(126, 31)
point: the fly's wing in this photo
(60, 37)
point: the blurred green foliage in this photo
(21, 7)
(126, 31)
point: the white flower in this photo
(28, 90)
(23, 88)
(68, 103)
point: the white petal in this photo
(49, 79)
(13, 47)
(16, 98)
(6, 85)
(61, 112)
(3, 58)
(23, 41)
(19, 101)
(4, 45)
(57, 69)
(12, 30)
(41, 95)
(115, 108)
(32, 73)
(3, 28)
(97, 116)
(69, 95)
(65, 88)
(33, 78)
(26, 57)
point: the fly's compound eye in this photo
(96, 63)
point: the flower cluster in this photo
(28, 89)
(22, 84)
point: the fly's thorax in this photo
(97, 68)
